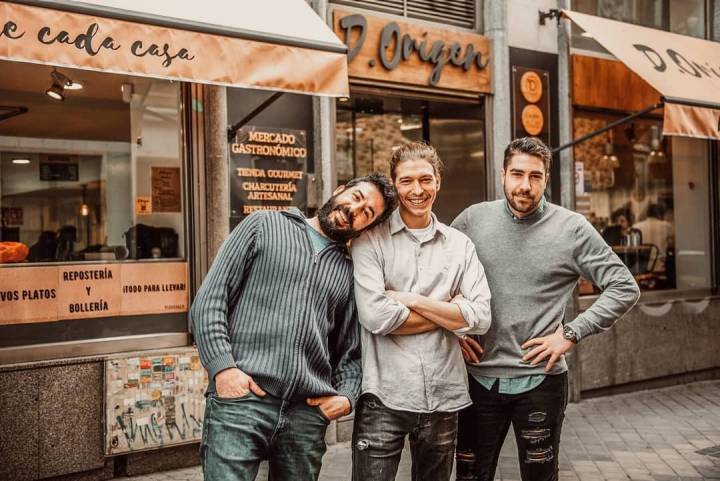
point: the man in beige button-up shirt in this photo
(418, 286)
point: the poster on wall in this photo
(531, 103)
(267, 171)
(166, 191)
(153, 400)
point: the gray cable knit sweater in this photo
(280, 312)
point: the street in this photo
(662, 435)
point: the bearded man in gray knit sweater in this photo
(534, 253)
(276, 328)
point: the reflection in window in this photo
(368, 128)
(94, 177)
(632, 186)
(685, 17)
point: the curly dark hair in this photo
(383, 184)
(622, 212)
(530, 146)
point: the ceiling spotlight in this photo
(73, 85)
(60, 83)
(21, 161)
(56, 92)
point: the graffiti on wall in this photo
(154, 400)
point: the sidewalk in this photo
(663, 435)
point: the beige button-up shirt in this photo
(420, 372)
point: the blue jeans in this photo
(239, 433)
(379, 436)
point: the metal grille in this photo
(461, 13)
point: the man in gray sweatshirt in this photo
(276, 327)
(534, 253)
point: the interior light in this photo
(609, 158)
(74, 85)
(21, 161)
(343, 99)
(60, 83)
(56, 92)
(84, 210)
(656, 153)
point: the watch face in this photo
(568, 334)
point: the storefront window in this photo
(648, 197)
(686, 17)
(368, 128)
(92, 242)
(94, 177)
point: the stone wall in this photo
(655, 340)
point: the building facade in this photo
(123, 193)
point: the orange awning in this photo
(253, 49)
(685, 70)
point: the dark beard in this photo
(511, 201)
(328, 226)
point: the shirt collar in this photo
(535, 215)
(397, 224)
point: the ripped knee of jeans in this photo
(540, 455)
(535, 435)
(537, 417)
(465, 465)
(362, 445)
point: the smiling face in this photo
(524, 180)
(350, 210)
(417, 185)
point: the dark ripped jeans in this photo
(537, 418)
(379, 436)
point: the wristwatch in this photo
(569, 334)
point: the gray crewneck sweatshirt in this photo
(532, 266)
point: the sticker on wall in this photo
(148, 409)
(143, 205)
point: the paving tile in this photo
(645, 436)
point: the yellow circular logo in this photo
(533, 120)
(531, 87)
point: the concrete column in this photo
(324, 129)
(498, 105)
(216, 165)
(567, 175)
(715, 12)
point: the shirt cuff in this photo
(350, 394)
(220, 363)
(467, 313)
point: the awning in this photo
(685, 70)
(279, 45)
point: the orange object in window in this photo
(13, 252)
